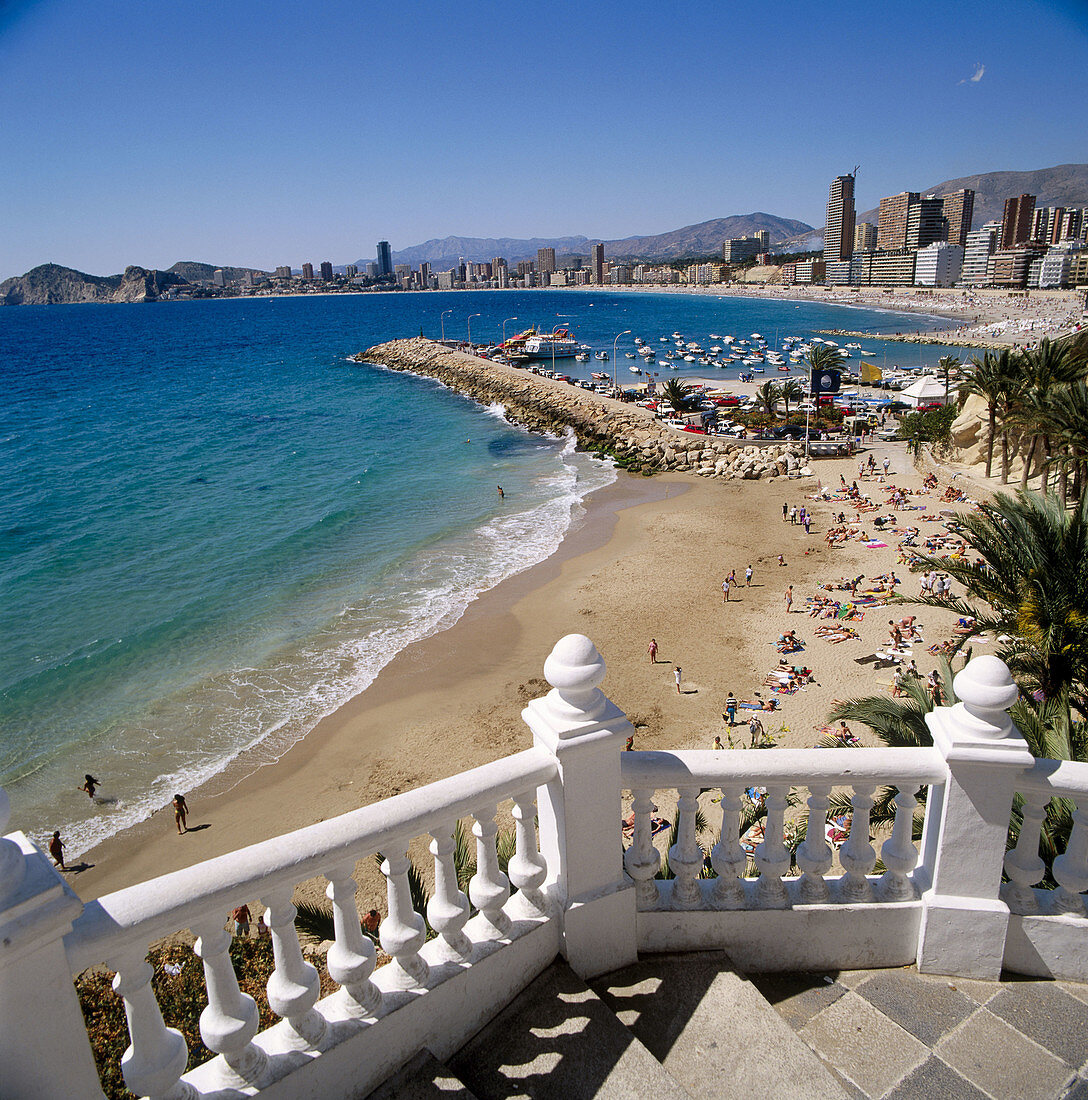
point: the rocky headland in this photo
(600, 424)
(51, 284)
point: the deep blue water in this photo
(215, 529)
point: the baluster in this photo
(448, 908)
(685, 856)
(294, 986)
(642, 860)
(1071, 867)
(898, 852)
(489, 888)
(156, 1057)
(1023, 864)
(857, 855)
(403, 932)
(528, 869)
(231, 1019)
(814, 854)
(351, 958)
(772, 856)
(727, 857)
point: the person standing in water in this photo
(89, 785)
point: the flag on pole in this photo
(825, 381)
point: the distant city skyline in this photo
(249, 133)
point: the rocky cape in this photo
(631, 435)
(51, 284)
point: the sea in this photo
(216, 528)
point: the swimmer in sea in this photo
(89, 785)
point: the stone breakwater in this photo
(600, 424)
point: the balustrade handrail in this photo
(793, 767)
(1060, 778)
(163, 905)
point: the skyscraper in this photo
(326, 271)
(839, 235)
(545, 259)
(598, 264)
(307, 271)
(1016, 223)
(385, 259)
(958, 210)
(891, 229)
(864, 237)
(925, 222)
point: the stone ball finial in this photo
(574, 666)
(986, 685)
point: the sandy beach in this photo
(647, 561)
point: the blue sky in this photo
(279, 132)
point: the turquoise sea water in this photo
(215, 529)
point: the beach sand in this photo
(647, 561)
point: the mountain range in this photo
(1062, 185)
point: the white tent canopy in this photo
(927, 389)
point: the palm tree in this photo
(997, 379)
(822, 357)
(677, 393)
(767, 395)
(948, 365)
(790, 390)
(1032, 577)
(1068, 418)
(1045, 368)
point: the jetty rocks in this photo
(600, 424)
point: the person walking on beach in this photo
(755, 731)
(725, 590)
(652, 650)
(731, 709)
(788, 597)
(748, 577)
(676, 676)
(241, 917)
(89, 785)
(371, 922)
(785, 511)
(56, 850)
(887, 463)
(181, 812)
(793, 516)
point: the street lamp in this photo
(626, 332)
(444, 312)
(470, 316)
(504, 328)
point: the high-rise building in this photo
(839, 235)
(737, 249)
(598, 263)
(425, 275)
(351, 271)
(1046, 224)
(976, 256)
(925, 222)
(1017, 221)
(864, 237)
(371, 271)
(307, 271)
(1074, 224)
(283, 272)
(326, 271)
(958, 210)
(545, 259)
(938, 264)
(891, 230)
(385, 258)
(218, 278)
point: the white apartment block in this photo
(980, 244)
(938, 264)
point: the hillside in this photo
(51, 284)
(692, 240)
(201, 274)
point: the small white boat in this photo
(601, 355)
(628, 355)
(635, 370)
(581, 357)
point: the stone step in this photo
(423, 1078)
(558, 1041)
(713, 1031)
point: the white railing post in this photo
(857, 855)
(1071, 867)
(527, 869)
(964, 921)
(814, 853)
(448, 908)
(1023, 864)
(642, 860)
(489, 888)
(580, 811)
(685, 856)
(728, 857)
(403, 931)
(771, 855)
(38, 1002)
(294, 986)
(351, 958)
(898, 852)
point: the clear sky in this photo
(275, 132)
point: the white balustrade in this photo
(898, 852)
(857, 854)
(772, 856)
(351, 958)
(685, 856)
(728, 857)
(1023, 864)
(489, 888)
(814, 853)
(156, 1057)
(294, 985)
(642, 860)
(448, 909)
(1071, 867)
(231, 1019)
(527, 869)
(403, 931)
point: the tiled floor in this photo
(900, 1035)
